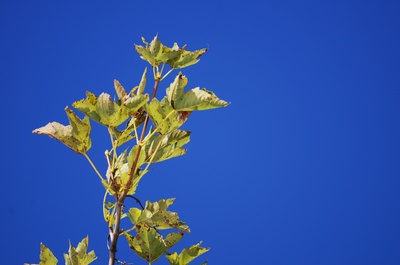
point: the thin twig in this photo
(137, 200)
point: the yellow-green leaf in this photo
(132, 155)
(78, 255)
(46, 256)
(157, 215)
(142, 84)
(120, 172)
(108, 112)
(150, 245)
(187, 255)
(120, 90)
(76, 135)
(156, 53)
(126, 135)
(186, 58)
(195, 99)
(163, 116)
(170, 146)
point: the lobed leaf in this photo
(170, 146)
(46, 256)
(157, 215)
(150, 245)
(110, 113)
(78, 255)
(156, 53)
(195, 99)
(187, 255)
(186, 58)
(120, 173)
(76, 135)
(164, 117)
(126, 135)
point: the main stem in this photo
(114, 231)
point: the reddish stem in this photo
(114, 233)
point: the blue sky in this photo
(302, 167)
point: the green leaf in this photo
(137, 176)
(108, 112)
(164, 117)
(121, 172)
(76, 135)
(156, 53)
(78, 255)
(187, 255)
(148, 53)
(46, 256)
(195, 99)
(157, 215)
(135, 180)
(132, 155)
(126, 135)
(150, 245)
(186, 58)
(170, 146)
(121, 93)
(108, 213)
(142, 84)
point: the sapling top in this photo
(152, 127)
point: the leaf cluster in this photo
(75, 256)
(127, 119)
(149, 243)
(156, 53)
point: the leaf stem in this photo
(93, 166)
(170, 71)
(136, 135)
(154, 72)
(104, 207)
(114, 149)
(162, 69)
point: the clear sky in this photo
(302, 168)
